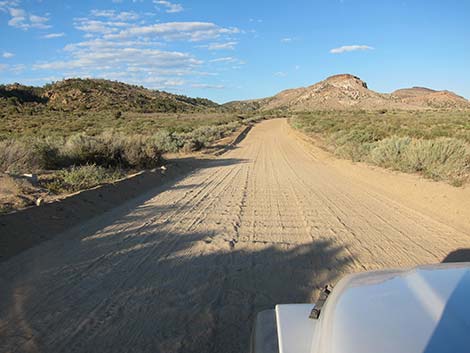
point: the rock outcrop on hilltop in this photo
(347, 91)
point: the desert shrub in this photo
(204, 136)
(355, 152)
(354, 144)
(167, 141)
(81, 177)
(433, 143)
(112, 149)
(389, 152)
(81, 149)
(355, 136)
(22, 156)
(191, 145)
(16, 157)
(48, 152)
(442, 158)
(140, 152)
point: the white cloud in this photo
(280, 74)
(287, 40)
(7, 55)
(93, 27)
(19, 18)
(348, 48)
(226, 59)
(221, 46)
(133, 61)
(5, 5)
(207, 86)
(116, 16)
(170, 7)
(126, 47)
(192, 31)
(112, 58)
(13, 68)
(53, 35)
(38, 20)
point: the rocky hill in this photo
(346, 91)
(98, 95)
(421, 96)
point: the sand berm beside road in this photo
(186, 268)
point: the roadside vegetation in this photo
(435, 144)
(111, 149)
(72, 151)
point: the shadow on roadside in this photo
(25, 228)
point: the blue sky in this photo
(228, 50)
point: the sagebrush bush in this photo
(442, 158)
(389, 152)
(82, 149)
(140, 152)
(81, 177)
(17, 157)
(167, 141)
(353, 144)
(23, 156)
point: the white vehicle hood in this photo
(420, 310)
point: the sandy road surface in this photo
(185, 269)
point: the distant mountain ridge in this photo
(346, 91)
(98, 94)
(338, 92)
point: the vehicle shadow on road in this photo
(459, 255)
(155, 290)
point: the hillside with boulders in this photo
(98, 95)
(345, 91)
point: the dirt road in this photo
(185, 268)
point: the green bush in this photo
(81, 177)
(167, 141)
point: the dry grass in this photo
(435, 144)
(15, 193)
(23, 123)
